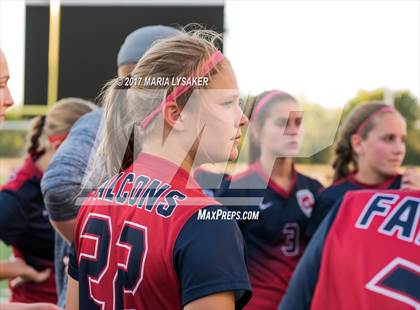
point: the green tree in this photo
(404, 102)
(321, 128)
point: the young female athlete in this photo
(6, 99)
(17, 267)
(368, 155)
(138, 242)
(365, 255)
(24, 221)
(275, 242)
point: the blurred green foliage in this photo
(320, 125)
(4, 255)
(12, 143)
(404, 102)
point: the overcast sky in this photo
(325, 50)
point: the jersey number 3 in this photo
(291, 233)
(124, 271)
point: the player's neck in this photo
(44, 160)
(366, 176)
(277, 168)
(173, 154)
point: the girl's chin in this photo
(287, 153)
(389, 172)
(234, 154)
(220, 158)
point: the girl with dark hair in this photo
(276, 241)
(24, 222)
(368, 155)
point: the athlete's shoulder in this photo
(244, 184)
(132, 191)
(90, 121)
(373, 203)
(196, 256)
(308, 182)
(249, 176)
(28, 172)
(206, 177)
(396, 182)
(336, 190)
(368, 194)
(211, 182)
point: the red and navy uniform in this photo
(25, 226)
(365, 255)
(140, 245)
(328, 197)
(211, 182)
(275, 242)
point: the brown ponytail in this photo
(34, 136)
(345, 161)
(58, 121)
(343, 158)
(254, 146)
(122, 138)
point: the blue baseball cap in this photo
(140, 40)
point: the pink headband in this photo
(57, 138)
(364, 123)
(263, 101)
(214, 59)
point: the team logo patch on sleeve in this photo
(305, 201)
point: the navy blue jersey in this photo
(212, 183)
(275, 242)
(24, 224)
(23, 218)
(327, 198)
(365, 255)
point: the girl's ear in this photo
(356, 144)
(172, 116)
(255, 132)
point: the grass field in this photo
(4, 255)
(4, 250)
(6, 166)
